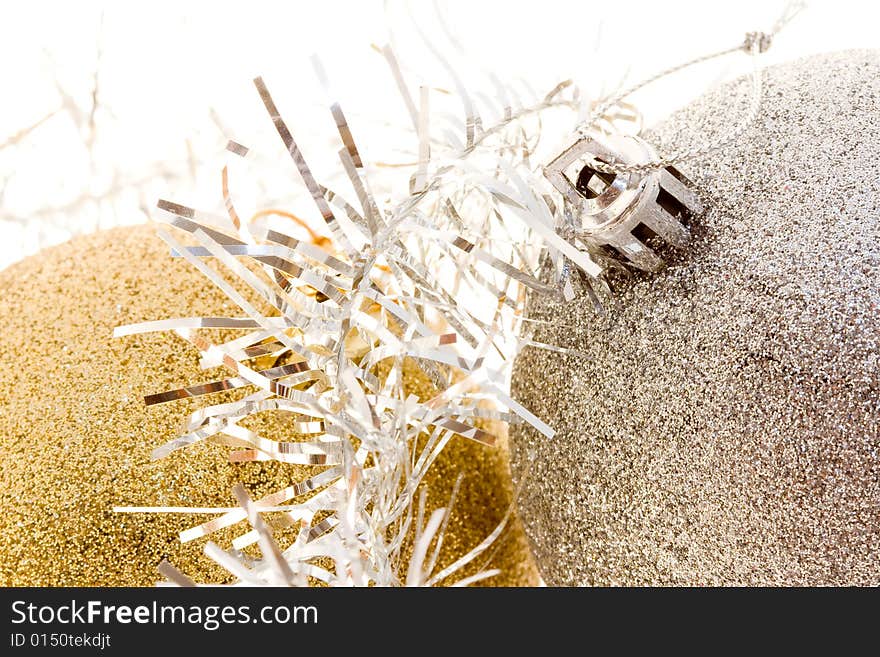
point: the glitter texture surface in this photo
(75, 436)
(724, 426)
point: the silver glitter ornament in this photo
(723, 423)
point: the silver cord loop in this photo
(755, 43)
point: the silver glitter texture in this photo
(722, 427)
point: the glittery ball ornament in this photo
(722, 423)
(76, 437)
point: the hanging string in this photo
(755, 44)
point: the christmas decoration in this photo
(611, 208)
(367, 338)
(721, 425)
(435, 278)
(76, 437)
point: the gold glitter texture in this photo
(75, 436)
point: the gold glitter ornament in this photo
(75, 436)
(724, 426)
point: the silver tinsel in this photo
(435, 277)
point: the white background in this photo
(102, 153)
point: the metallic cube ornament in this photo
(613, 210)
